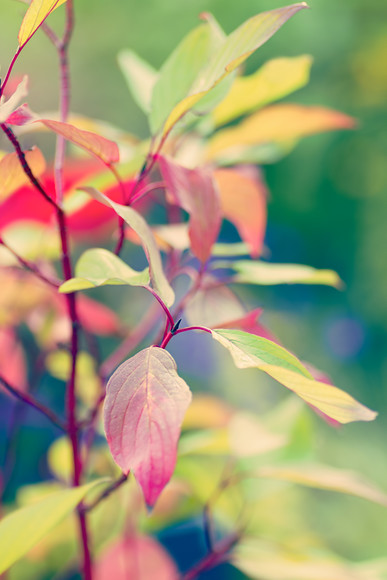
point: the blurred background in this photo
(328, 198)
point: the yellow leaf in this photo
(35, 16)
(206, 412)
(12, 175)
(278, 124)
(274, 80)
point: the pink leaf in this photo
(99, 146)
(12, 360)
(144, 408)
(136, 557)
(20, 116)
(250, 323)
(194, 190)
(243, 200)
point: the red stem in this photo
(3, 85)
(172, 333)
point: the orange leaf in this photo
(12, 175)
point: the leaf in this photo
(140, 77)
(211, 306)
(243, 200)
(180, 71)
(13, 366)
(21, 116)
(9, 106)
(277, 124)
(250, 323)
(234, 50)
(249, 437)
(274, 80)
(195, 191)
(266, 273)
(99, 146)
(324, 477)
(35, 16)
(135, 556)
(139, 225)
(22, 529)
(12, 175)
(99, 267)
(97, 318)
(207, 412)
(249, 350)
(144, 408)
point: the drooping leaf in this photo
(249, 350)
(234, 50)
(274, 80)
(12, 175)
(135, 556)
(99, 146)
(266, 273)
(99, 267)
(140, 76)
(22, 529)
(194, 190)
(145, 404)
(180, 71)
(277, 124)
(139, 225)
(243, 200)
(35, 16)
(9, 106)
(324, 477)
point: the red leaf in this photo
(249, 323)
(96, 317)
(194, 190)
(12, 360)
(144, 408)
(99, 146)
(243, 199)
(20, 116)
(135, 558)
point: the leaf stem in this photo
(32, 402)
(13, 61)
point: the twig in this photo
(213, 558)
(105, 494)
(31, 266)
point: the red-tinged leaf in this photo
(20, 116)
(194, 190)
(278, 124)
(144, 408)
(99, 146)
(135, 557)
(250, 323)
(12, 360)
(12, 175)
(34, 18)
(9, 106)
(94, 316)
(243, 200)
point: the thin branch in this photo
(31, 266)
(13, 61)
(32, 402)
(214, 558)
(106, 493)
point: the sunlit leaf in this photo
(234, 50)
(324, 477)
(249, 350)
(22, 529)
(12, 175)
(266, 273)
(140, 226)
(195, 191)
(9, 106)
(180, 71)
(35, 16)
(135, 556)
(99, 146)
(99, 267)
(140, 76)
(274, 80)
(277, 124)
(144, 408)
(243, 200)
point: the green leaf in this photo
(265, 273)
(138, 224)
(99, 267)
(235, 49)
(249, 350)
(324, 477)
(22, 529)
(140, 77)
(274, 80)
(180, 71)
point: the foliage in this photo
(85, 215)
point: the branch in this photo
(30, 266)
(213, 558)
(32, 402)
(105, 494)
